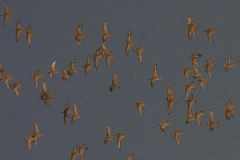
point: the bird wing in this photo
(155, 71)
(119, 142)
(229, 60)
(163, 129)
(105, 27)
(139, 108)
(29, 28)
(86, 70)
(44, 87)
(114, 80)
(1, 65)
(176, 138)
(79, 28)
(128, 49)
(139, 55)
(129, 156)
(6, 8)
(16, 91)
(108, 130)
(72, 63)
(88, 60)
(18, 24)
(129, 37)
(29, 145)
(75, 109)
(169, 89)
(209, 36)
(53, 66)
(96, 62)
(5, 20)
(208, 71)
(211, 116)
(36, 128)
(108, 61)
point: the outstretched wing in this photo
(211, 116)
(105, 27)
(114, 80)
(79, 28)
(169, 88)
(53, 66)
(75, 109)
(129, 37)
(36, 128)
(155, 71)
(108, 130)
(44, 87)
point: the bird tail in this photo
(206, 81)
(11, 14)
(217, 123)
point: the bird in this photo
(139, 53)
(190, 102)
(129, 156)
(189, 118)
(79, 34)
(6, 14)
(6, 78)
(74, 152)
(154, 77)
(229, 64)
(48, 98)
(139, 105)
(170, 104)
(36, 132)
(52, 71)
(194, 57)
(197, 116)
(108, 57)
(176, 133)
(114, 82)
(188, 87)
(44, 91)
(65, 74)
(105, 33)
(2, 71)
(87, 65)
(195, 71)
(129, 42)
(169, 93)
(75, 114)
(66, 111)
(35, 75)
(72, 68)
(185, 71)
(201, 81)
(104, 50)
(209, 65)
(29, 139)
(212, 122)
(191, 28)
(15, 86)
(81, 148)
(96, 57)
(229, 112)
(109, 137)
(18, 30)
(120, 136)
(29, 33)
(209, 33)
(163, 124)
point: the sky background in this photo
(159, 27)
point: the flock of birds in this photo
(103, 52)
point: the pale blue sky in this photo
(157, 26)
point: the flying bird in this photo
(75, 114)
(109, 137)
(15, 86)
(176, 133)
(6, 78)
(114, 82)
(129, 42)
(6, 14)
(154, 77)
(139, 53)
(35, 75)
(105, 33)
(209, 65)
(139, 105)
(87, 65)
(29, 33)
(212, 122)
(66, 111)
(209, 33)
(18, 30)
(52, 71)
(185, 71)
(72, 68)
(229, 64)
(163, 124)
(119, 139)
(79, 34)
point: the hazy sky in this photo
(159, 27)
